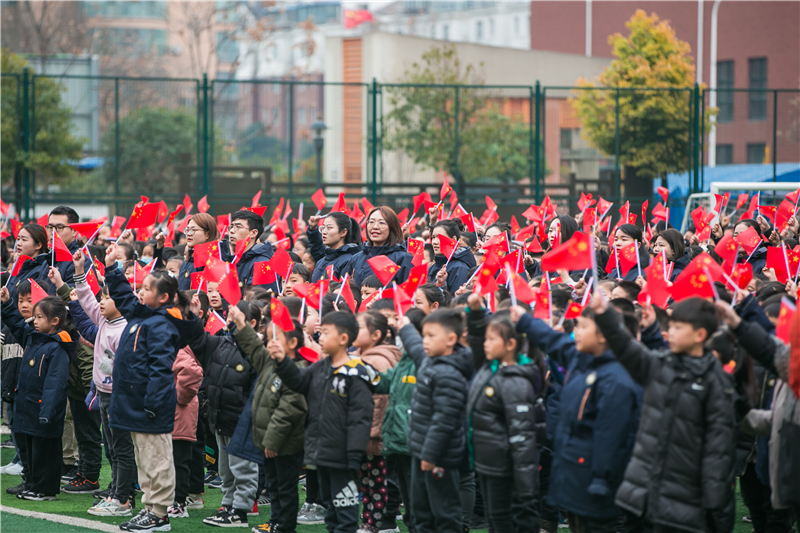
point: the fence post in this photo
(702, 138)
(617, 177)
(205, 134)
(530, 138)
(374, 141)
(697, 119)
(26, 136)
(116, 145)
(775, 136)
(291, 136)
(459, 188)
(538, 135)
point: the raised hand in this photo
(111, 254)
(78, 260)
(55, 277)
(276, 351)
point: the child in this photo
(300, 274)
(370, 285)
(339, 394)
(279, 416)
(595, 412)
(501, 408)
(41, 400)
(377, 515)
(144, 395)
(436, 430)
(215, 298)
(429, 298)
(682, 465)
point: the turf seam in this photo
(62, 519)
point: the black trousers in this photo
(281, 473)
(339, 491)
(546, 511)
(86, 425)
(209, 439)
(198, 460)
(505, 511)
(756, 497)
(582, 524)
(435, 502)
(401, 466)
(123, 459)
(43, 464)
(182, 457)
(312, 487)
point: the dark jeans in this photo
(281, 473)
(197, 463)
(86, 425)
(401, 465)
(582, 524)
(42, 458)
(467, 492)
(340, 495)
(312, 487)
(756, 497)
(505, 510)
(182, 457)
(435, 502)
(123, 461)
(546, 511)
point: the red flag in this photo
(16, 225)
(308, 354)
(526, 232)
(202, 205)
(91, 279)
(403, 215)
(573, 310)
(542, 309)
(418, 201)
(656, 286)
(446, 188)
(187, 203)
(417, 277)
(138, 275)
(86, 229)
(448, 246)
(659, 212)
(263, 274)
(589, 219)
(459, 211)
(726, 248)
(742, 200)
(748, 239)
(469, 222)
(369, 207)
(777, 260)
(260, 210)
(534, 247)
(534, 213)
(692, 283)
(585, 201)
(116, 226)
(4, 207)
(347, 293)
(241, 248)
(498, 241)
(280, 315)
(355, 17)
(644, 213)
(229, 287)
(485, 282)
(256, 199)
(99, 266)
(143, 216)
(663, 192)
(42, 220)
(742, 274)
(357, 214)
(788, 310)
(768, 212)
(575, 254)
(783, 214)
(319, 199)
(416, 247)
(163, 211)
(197, 280)
(18, 264)
(37, 292)
(751, 209)
(312, 292)
(202, 252)
(215, 323)
(282, 263)
(340, 204)
(62, 252)
(603, 206)
(521, 289)
(490, 205)
(402, 301)
(384, 268)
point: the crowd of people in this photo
(447, 372)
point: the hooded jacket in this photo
(340, 408)
(144, 384)
(399, 383)
(41, 397)
(188, 376)
(595, 425)
(229, 376)
(458, 269)
(382, 358)
(436, 430)
(684, 457)
(278, 412)
(397, 253)
(341, 258)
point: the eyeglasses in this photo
(236, 227)
(59, 227)
(191, 231)
(379, 223)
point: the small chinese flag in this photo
(263, 273)
(369, 207)
(197, 280)
(748, 239)
(319, 199)
(280, 315)
(788, 309)
(768, 212)
(174, 214)
(282, 263)
(417, 277)
(215, 323)
(202, 205)
(347, 293)
(783, 214)
(657, 287)
(402, 301)
(139, 274)
(308, 354)
(542, 309)
(202, 253)
(469, 221)
(16, 225)
(490, 205)
(256, 199)
(116, 226)
(241, 248)
(309, 291)
(663, 192)
(91, 279)
(498, 241)
(627, 259)
(742, 274)
(101, 268)
(384, 268)
(62, 252)
(534, 247)
(257, 210)
(163, 211)
(448, 246)
(585, 201)
(402, 215)
(521, 289)
(742, 200)
(143, 216)
(187, 203)
(777, 260)
(416, 247)
(575, 254)
(37, 292)
(573, 310)
(229, 287)
(42, 220)
(418, 201)
(603, 206)
(459, 211)
(358, 215)
(87, 229)
(485, 282)
(446, 189)
(340, 204)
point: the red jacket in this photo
(188, 376)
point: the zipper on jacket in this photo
(583, 402)
(40, 365)
(136, 340)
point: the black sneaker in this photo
(16, 490)
(210, 476)
(147, 521)
(230, 519)
(81, 485)
(102, 494)
(124, 525)
(263, 497)
(221, 516)
(36, 496)
(70, 473)
(7, 444)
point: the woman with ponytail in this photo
(333, 240)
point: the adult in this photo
(201, 228)
(758, 258)
(384, 237)
(333, 240)
(450, 273)
(624, 236)
(246, 224)
(31, 241)
(670, 241)
(59, 221)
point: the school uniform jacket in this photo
(341, 258)
(397, 253)
(458, 269)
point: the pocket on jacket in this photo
(578, 451)
(134, 396)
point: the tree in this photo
(52, 145)
(653, 125)
(152, 142)
(423, 121)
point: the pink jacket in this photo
(188, 376)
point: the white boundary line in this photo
(68, 520)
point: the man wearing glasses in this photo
(59, 220)
(246, 224)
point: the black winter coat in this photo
(438, 410)
(228, 376)
(397, 253)
(458, 269)
(501, 411)
(340, 407)
(341, 258)
(679, 266)
(684, 457)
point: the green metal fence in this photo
(228, 139)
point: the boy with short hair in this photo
(682, 467)
(436, 437)
(339, 419)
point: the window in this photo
(516, 25)
(446, 33)
(130, 41)
(275, 116)
(140, 10)
(276, 88)
(433, 31)
(479, 30)
(724, 94)
(758, 80)
(312, 113)
(227, 48)
(491, 27)
(756, 153)
(724, 154)
(566, 139)
(301, 115)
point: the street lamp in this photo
(319, 127)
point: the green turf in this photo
(77, 504)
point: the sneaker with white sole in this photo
(221, 513)
(148, 522)
(263, 497)
(229, 519)
(177, 510)
(12, 469)
(314, 516)
(194, 501)
(110, 507)
(36, 496)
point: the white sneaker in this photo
(194, 501)
(12, 469)
(110, 507)
(177, 511)
(314, 516)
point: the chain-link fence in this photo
(228, 139)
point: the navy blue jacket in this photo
(750, 311)
(598, 415)
(397, 253)
(187, 269)
(35, 269)
(679, 266)
(632, 274)
(245, 266)
(458, 270)
(144, 384)
(41, 397)
(758, 260)
(341, 258)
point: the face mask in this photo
(120, 264)
(145, 260)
